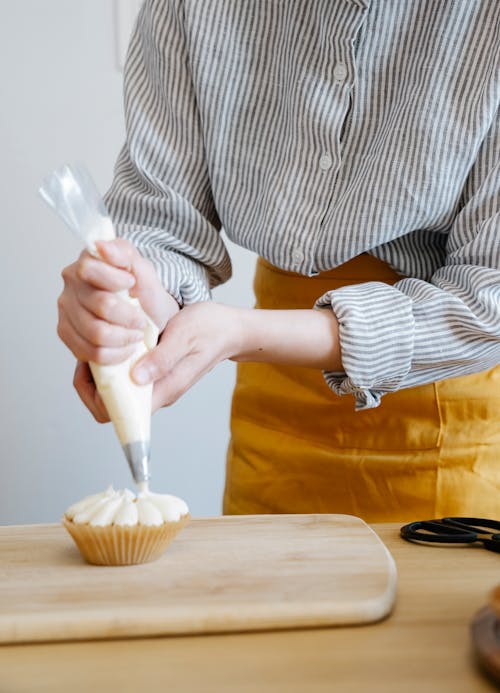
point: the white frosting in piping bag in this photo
(128, 404)
(126, 509)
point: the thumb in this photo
(157, 363)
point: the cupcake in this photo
(120, 528)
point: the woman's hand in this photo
(98, 325)
(193, 342)
(204, 334)
(95, 323)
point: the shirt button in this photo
(325, 162)
(297, 256)
(340, 72)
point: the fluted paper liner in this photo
(123, 545)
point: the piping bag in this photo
(73, 195)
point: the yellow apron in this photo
(296, 447)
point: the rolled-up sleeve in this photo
(161, 198)
(416, 331)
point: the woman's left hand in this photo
(193, 342)
(203, 334)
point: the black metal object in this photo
(455, 530)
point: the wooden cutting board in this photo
(220, 574)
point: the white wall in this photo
(60, 101)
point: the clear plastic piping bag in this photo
(73, 195)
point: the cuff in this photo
(184, 278)
(376, 330)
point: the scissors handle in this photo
(490, 540)
(455, 530)
(435, 531)
(492, 544)
(474, 524)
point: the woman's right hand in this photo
(98, 325)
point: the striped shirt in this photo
(313, 131)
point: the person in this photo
(354, 146)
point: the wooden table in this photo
(423, 646)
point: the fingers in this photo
(101, 333)
(86, 351)
(111, 308)
(125, 258)
(86, 389)
(99, 274)
(90, 308)
(96, 323)
(120, 253)
(157, 303)
(91, 338)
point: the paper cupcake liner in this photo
(123, 545)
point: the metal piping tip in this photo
(137, 454)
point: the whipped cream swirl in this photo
(126, 509)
